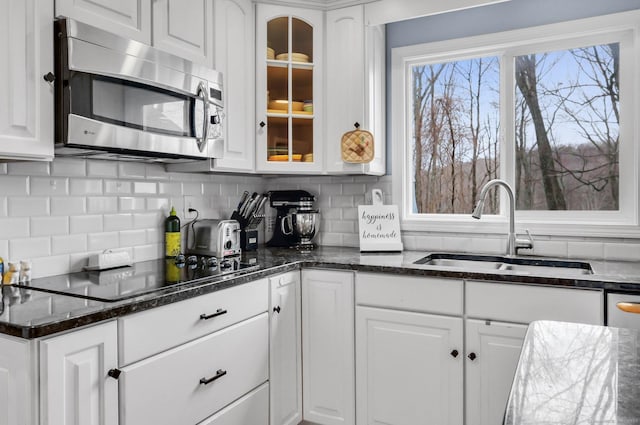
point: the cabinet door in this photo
(74, 385)
(127, 18)
(251, 409)
(18, 379)
(355, 87)
(409, 368)
(492, 350)
(289, 87)
(234, 47)
(26, 99)
(346, 77)
(185, 30)
(328, 347)
(285, 350)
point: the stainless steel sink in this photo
(471, 262)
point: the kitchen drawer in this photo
(149, 332)
(168, 388)
(524, 304)
(619, 318)
(424, 294)
(252, 409)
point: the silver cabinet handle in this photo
(204, 95)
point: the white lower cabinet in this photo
(492, 353)
(74, 384)
(328, 347)
(497, 317)
(285, 349)
(247, 410)
(186, 384)
(18, 383)
(408, 367)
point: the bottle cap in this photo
(173, 211)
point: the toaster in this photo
(216, 238)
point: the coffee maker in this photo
(297, 219)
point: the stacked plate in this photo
(295, 57)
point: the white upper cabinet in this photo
(127, 18)
(234, 48)
(184, 29)
(181, 28)
(26, 99)
(354, 90)
(289, 105)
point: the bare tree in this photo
(526, 80)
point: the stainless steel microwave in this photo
(120, 99)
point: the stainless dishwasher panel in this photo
(619, 318)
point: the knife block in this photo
(249, 239)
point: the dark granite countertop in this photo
(31, 314)
(576, 374)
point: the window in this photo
(553, 115)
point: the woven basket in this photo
(357, 147)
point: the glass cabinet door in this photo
(292, 58)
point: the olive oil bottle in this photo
(172, 234)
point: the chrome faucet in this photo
(513, 243)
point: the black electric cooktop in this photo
(141, 278)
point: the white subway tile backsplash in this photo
(27, 207)
(85, 223)
(29, 248)
(154, 236)
(68, 244)
(49, 266)
(622, 251)
(131, 170)
(131, 204)
(102, 241)
(170, 188)
(155, 172)
(85, 187)
(158, 204)
(15, 186)
(69, 167)
(353, 189)
(115, 222)
(3, 206)
(3, 168)
(130, 238)
(549, 248)
(145, 187)
(70, 205)
(102, 169)
(102, 204)
(195, 189)
(147, 252)
(583, 249)
(4, 249)
(48, 226)
(118, 187)
(145, 220)
(28, 168)
(14, 227)
(49, 186)
(342, 201)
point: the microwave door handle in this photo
(203, 94)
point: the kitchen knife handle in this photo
(219, 374)
(629, 307)
(219, 312)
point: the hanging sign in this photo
(379, 225)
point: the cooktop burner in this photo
(141, 278)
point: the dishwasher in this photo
(623, 310)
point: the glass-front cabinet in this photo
(288, 89)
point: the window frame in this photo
(620, 27)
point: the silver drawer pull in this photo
(219, 312)
(629, 307)
(219, 374)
